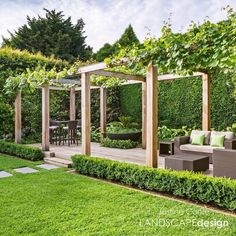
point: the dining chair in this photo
(53, 132)
(70, 132)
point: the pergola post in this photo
(152, 118)
(103, 111)
(85, 112)
(18, 118)
(72, 104)
(205, 102)
(45, 118)
(144, 114)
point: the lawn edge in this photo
(161, 195)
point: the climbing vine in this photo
(207, 47)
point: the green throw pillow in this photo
(198, 139)
(218, 141)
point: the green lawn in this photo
(8, 163)
(58, 203)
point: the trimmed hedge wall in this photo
(22, 151)
(180, 102)
(218, 191)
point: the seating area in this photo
(64, 132)
(219, 148)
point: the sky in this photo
(105, 20)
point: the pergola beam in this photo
(85, 112)
(206, 124)
(45, 118)
(93, 67)
(144, 114)
(152, 118)
(72, 104)
(68, 89)
(174, 76)
(91, 87)
(18, 118)
(119, 75)
(103, 111)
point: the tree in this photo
(128, 38)
(52, 35)
(104, 52)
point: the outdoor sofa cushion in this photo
(228, 135)
(197, 148)
(199, 132)
(217, 140)
(198, 139)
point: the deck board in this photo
(134, 156)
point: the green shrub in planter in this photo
(211, 190)
(122, 144)
(22, 151)
(95, 134)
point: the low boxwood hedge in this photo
(195, 186)
(121, 144)
(22, 151)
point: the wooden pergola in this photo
(149, 106)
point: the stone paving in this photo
(4, 174)
(47, 166)
(25, 170)
(28, 170)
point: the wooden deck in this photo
(134, 156)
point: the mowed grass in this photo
(8, 163)
(59, 203)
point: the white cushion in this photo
(200, 132)
(199, 148)
(228, 135)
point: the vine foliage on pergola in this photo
(210, 47)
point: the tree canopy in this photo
(52, 35)
(127, 39)
(105, 51)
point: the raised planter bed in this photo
(134, 136)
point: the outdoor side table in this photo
(166, 148)
(197, 163)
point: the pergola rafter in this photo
(149, 105)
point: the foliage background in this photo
(13, 62)
(180, 102)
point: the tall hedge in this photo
(180, 102)
(13, 62)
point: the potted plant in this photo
(124, 129)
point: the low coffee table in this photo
(190, 162)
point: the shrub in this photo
(218, 191)
(95, 134)
(19, 150)
(125, 124)
(122, 144)
(165, 133)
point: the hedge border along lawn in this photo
(220, 192)
(22, 151)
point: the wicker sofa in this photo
(183, 144)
